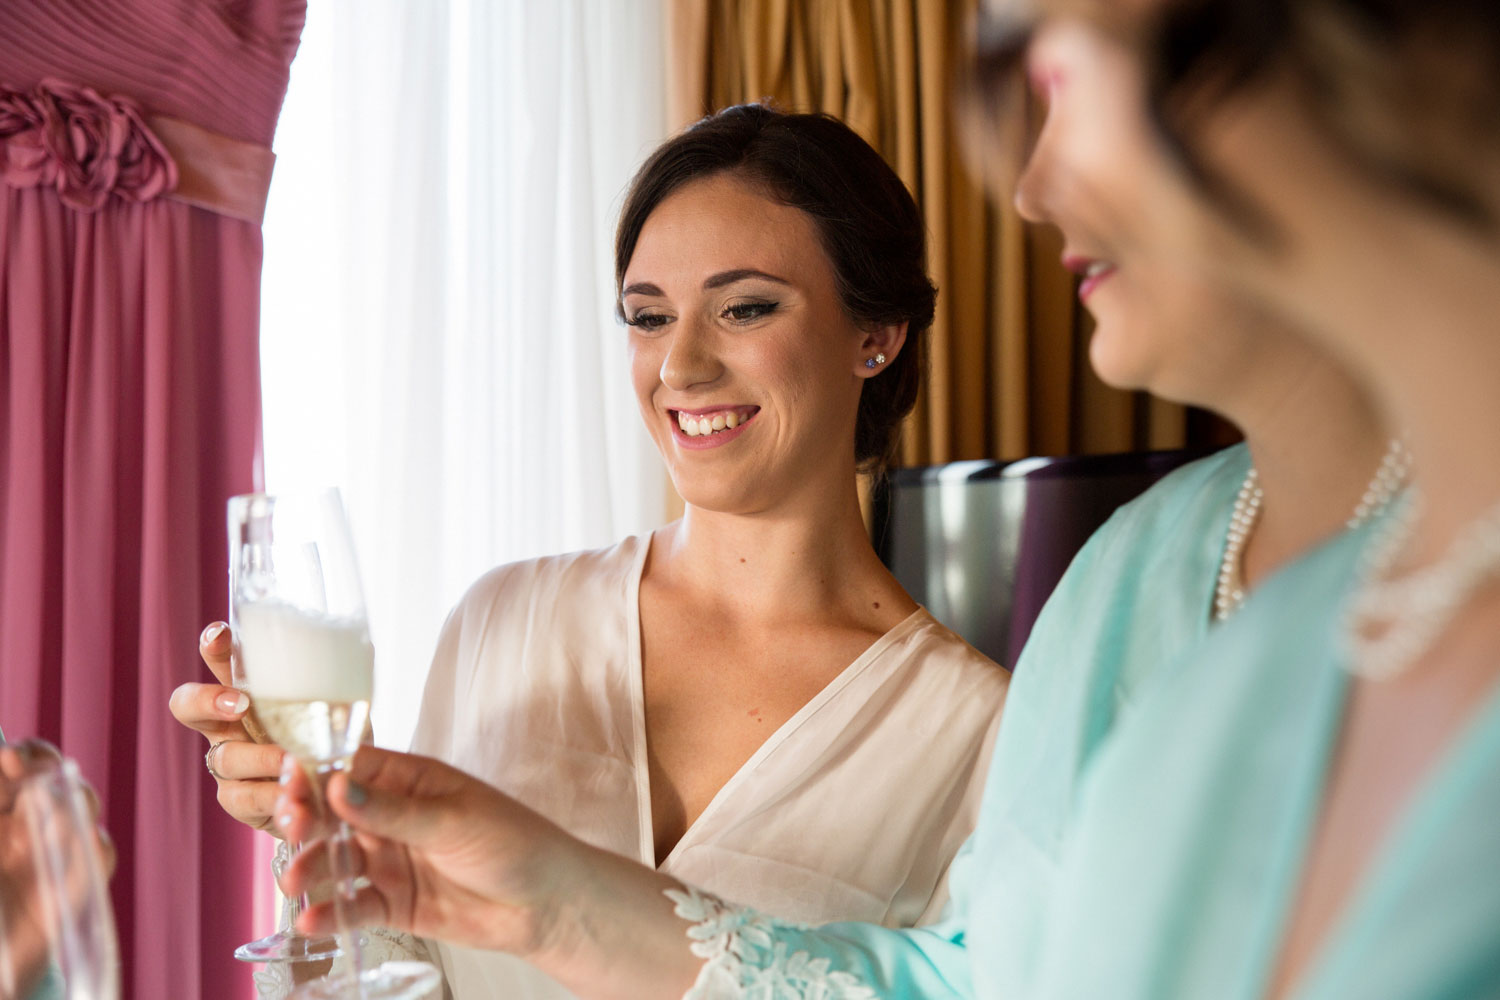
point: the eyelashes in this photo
(735, 312)
(647, 321)
(745, 312)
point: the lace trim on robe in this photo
(746, 961)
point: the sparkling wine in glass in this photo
(302, 638)
(249, 555)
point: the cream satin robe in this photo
(852, 810)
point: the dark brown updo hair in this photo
(868, 224)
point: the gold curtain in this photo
(1009, 363)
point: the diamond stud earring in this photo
(878, 359)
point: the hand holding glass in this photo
(302, 639)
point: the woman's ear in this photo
(879, 348)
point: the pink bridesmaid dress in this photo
(134, 160)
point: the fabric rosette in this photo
(24, 160)
(87, 146)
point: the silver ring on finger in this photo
(209, 758)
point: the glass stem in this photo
(343, 873)
(291, 906)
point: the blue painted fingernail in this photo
(356, 794)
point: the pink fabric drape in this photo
(129, 412)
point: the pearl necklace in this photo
(1229, 591)
(1392, 622)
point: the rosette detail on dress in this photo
(87, 146)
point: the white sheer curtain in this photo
(438, 334)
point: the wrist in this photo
(566, 900)
(611, 932)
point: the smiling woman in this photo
(874, 246)
(762, 356)
(726, 698)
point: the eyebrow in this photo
(739, 274)
(713, 281)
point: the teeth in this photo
(1098, 267)
(703, 426)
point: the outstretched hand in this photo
(445, 855)
(441, 854)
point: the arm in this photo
(749, 953)
(449, 857)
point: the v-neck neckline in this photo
(636, 666)
(1389, 861)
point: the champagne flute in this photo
(248, 555)
(56, 891)
(301, 634)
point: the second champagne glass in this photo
(298, 617)
(55, 886)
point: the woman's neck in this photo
(1453, 424)
(807, 560)
(1316, 444)
(1428, 347)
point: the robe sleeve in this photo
(750, 954)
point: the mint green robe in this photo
(1194, 824)
(1159, 864)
